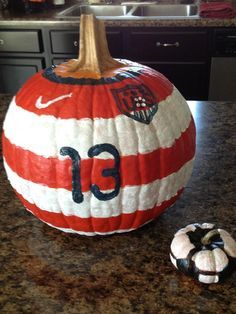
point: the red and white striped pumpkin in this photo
(98, 155)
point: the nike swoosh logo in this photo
(40, 105)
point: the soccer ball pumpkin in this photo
(96, 145)
(204, 252)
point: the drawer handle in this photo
(231, 36)
(176, 44)
(1, 42)
(75, 43)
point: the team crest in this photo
(136, 102)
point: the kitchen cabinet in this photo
(15, 71)
(21, 41)
(64, 41)
(25, 52)
(182, 55)
(223, 65)
(20, 57)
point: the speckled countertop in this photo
(49, 17)
(46, 271)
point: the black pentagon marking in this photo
(196, 236)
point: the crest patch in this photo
(136, 102)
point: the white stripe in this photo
(208, 278)
(45, 135)
(130, 198)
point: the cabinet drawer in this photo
(20, 41)
(15, 71)
(64, 42)
(154, 45)
(67, 42)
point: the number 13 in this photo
(95, 150)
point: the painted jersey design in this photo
(136, 102)
(98, 156)
(40, 104)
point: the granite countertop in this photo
(50, 16)
(44, 270)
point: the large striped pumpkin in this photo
(98, 147)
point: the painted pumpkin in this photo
(204, 252)
(96, 145)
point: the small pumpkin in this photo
(204, 252)
(97, 145)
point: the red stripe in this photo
(88, 101)
(134, 169)
(121, 222)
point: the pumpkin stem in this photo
(207, 238)
(94, 57)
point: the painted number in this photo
(95, 150)
(77, 195)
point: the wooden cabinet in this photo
(20, 41)
(167, 44)
(15, 71)
(182, 55)
(20, 57)
(64, 42)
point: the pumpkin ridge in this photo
(41, 192)
(127, 161)
(55, 219)
(26, 118)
